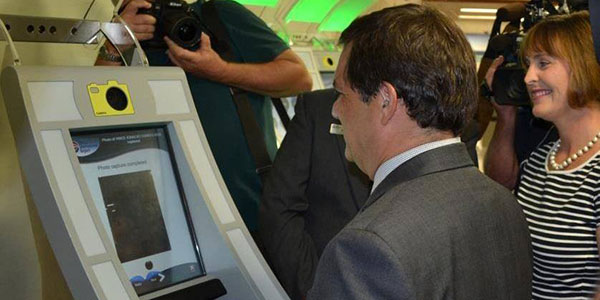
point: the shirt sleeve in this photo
(252, 39)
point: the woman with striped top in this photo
(559, 185)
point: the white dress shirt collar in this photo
(391, 164)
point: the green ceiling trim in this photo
(312, 11)
(341, 17)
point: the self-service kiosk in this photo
(126, 187)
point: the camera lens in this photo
(116, 98)
(186, 33)
(184, 30)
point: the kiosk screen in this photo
(136, 189)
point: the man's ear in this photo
(389, 102)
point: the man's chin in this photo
(348, 155)
(360, 166)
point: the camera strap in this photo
(254, 135)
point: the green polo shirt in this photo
(253, 42)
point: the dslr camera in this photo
(509, 80)
(177, 20)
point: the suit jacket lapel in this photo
(440, 159)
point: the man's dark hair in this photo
(423, 54)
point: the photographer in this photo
(559, 182)
(264, 65)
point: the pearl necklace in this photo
(573, 157)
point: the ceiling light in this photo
(465, 17)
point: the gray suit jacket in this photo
(435, 228)
(311, 194)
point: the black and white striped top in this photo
(563, 210)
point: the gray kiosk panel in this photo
(127, 189)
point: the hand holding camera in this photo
(143, 25)
(505, 112)
(489, 75)
(173, 25)
(153, 20)
(175, 19)
(204, 62)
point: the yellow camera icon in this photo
(110, 99)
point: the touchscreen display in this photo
(138, 195)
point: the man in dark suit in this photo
(311, 194)
(433, 227)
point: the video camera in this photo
(177, 20)
(508, 83)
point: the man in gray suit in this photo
(433, 227)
